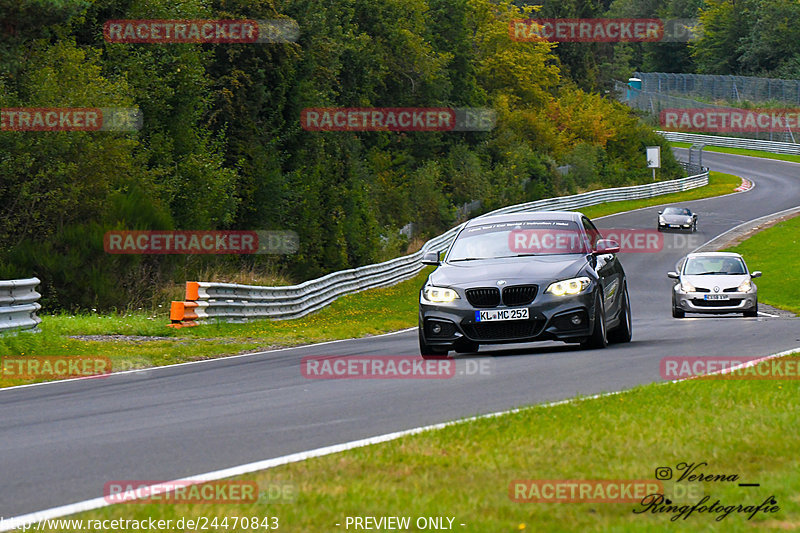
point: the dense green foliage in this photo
(741, 37)
(222, 148)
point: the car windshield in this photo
(677, 211)
(699, 266)
(517, 239)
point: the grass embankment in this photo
(747, 428)
(771, 251)
(356, 315)
(718, 184)
(741, 151)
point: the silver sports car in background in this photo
(714, 282)
(677, 218)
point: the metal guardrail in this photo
(18, 304)
(234, 302)
(733, 142)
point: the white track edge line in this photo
(216, 360)
(97, 503)
(152, 368)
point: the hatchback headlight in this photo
(569, 286)
(661, 220)
(745, 286)
(687, 287)
(439, 295)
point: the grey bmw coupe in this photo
(524, 277)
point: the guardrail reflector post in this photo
(192, 290)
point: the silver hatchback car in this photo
(714, 282)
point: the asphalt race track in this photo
(62, 442)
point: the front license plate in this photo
(715, 296)
(501, 314)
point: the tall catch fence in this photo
(653, 102)
(718, 87)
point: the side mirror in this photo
(606, 246)
(431, 258)
(660, 212)
(673, 275)
(755, 274)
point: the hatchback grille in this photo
(483, 296)
(731, 289)
(519, 295)
(701, 289)
(500, 331)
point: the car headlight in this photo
(745, 286)
(569, 286)
(687, 287)
(439, 295)
(661, 220)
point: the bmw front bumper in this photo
(563, 318)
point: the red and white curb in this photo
(745, 186)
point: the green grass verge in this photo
(718, 184)
(771, 251)
(356, 315)
(744, 427)
(742, 151)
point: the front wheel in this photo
(752, 312)
(677, 313)
(430, 352)
(598, 338)
(623, 332)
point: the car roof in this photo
(528, 215)
(714, 254)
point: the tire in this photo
(623, 332)
(694, 227)
(598, 339)
(466, 346)
(660, 229)
(430, 352)
(678, 313)
(752, 312)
